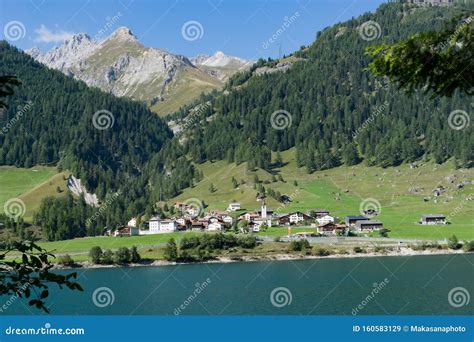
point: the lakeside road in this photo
(325, 240)
(337, 247)
(351, 239)
(401, 252)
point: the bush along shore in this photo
(223, 248)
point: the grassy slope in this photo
(187, 86)
(30, 185)
(400, 209)
(33, 197)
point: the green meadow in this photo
(28, 185)
(404, 193)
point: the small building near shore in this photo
(368, 225)
(352, 220)
(197, 226)
(431, 219)
(330, 228)
(293, 218)
(156, 226)
(215, 226)
(320, 212)
(325, 219)
(126, 231)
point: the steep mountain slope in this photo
(324, 102)
(122, 66)
(107, 142)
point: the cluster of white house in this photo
(256, 220)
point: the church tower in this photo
(264, 210)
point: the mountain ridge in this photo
(123, 66)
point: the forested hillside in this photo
(328, 106)
(336, 111)
(51, 120)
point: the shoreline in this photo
(404, 251)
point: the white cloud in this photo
(45, 35)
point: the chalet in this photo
(320, 212)
(330, 228)
(351, 220)
(234, 206)
(126, 231)
(215, 226)
(187, 209)
(226, 219)
(197, 226)
(433, 219)
(249, 216)
(156, 225)
(293, 218)
(223, 216)
(368, 225)
(256, 225)
(325, 219)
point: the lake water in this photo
(367, 286)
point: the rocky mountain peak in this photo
(219, 59)
(34, 52)
(123, 34)
(78, 39)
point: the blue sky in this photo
(237, 27)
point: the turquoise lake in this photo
(419, 285)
